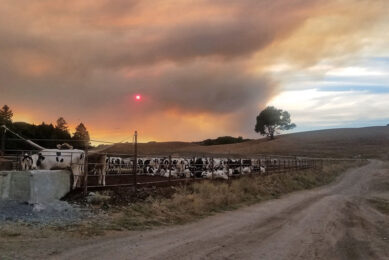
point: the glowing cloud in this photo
(208, 60)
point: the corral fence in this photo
(135, 171)
(169, 173)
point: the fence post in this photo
(135, 166)
(212, 166)
(296, 164)
(2, 152)
(240, 166)
(85, 169)
(288, 167)
(170, 167)
(228, 169)
(259, 165)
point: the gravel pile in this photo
(59, 212)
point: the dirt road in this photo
(331, 222)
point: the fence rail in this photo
(122, 170)
(132, 170)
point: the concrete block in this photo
(5, 185)
(48, 186)
(14, 185)
(41, 186)
(20, 186)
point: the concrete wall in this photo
(34, 186)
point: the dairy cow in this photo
(51, 159)
(98, 164)
(26, 162)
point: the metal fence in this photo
(137, 174)
(131, 170)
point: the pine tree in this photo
(6, 115)
(62, 124)
(81, 134)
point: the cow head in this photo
(37, 161)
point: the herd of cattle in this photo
(101, 165)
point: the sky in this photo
(204, 68)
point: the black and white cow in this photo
(115, 164)
(51, 159)
(26, 162)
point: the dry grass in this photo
(368, 142)
(202, 199)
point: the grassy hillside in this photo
(367, 142)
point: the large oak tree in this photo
(272, 119)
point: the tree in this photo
(6, 115)
(81, 134)
(224, 140)
(272, 119)
(62, 124)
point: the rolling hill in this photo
(367, 142)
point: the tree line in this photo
(46, 135)
(223, 140)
